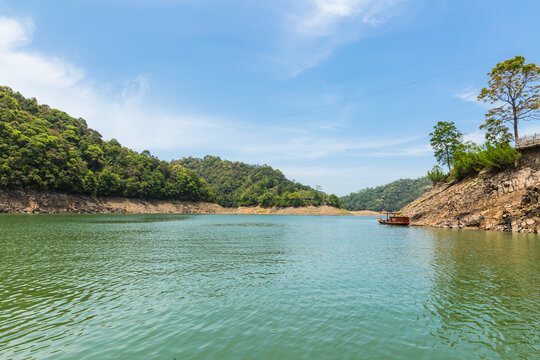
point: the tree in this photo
(266, 199)
(333, 200)
(496, 132)
(513, 85)
(46, 149)
(445, 140)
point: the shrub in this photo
(436, 175)
(470, 158)
(499, 156)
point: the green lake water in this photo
(263, 287)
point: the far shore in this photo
(324, 210)
(33, 202)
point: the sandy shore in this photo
(307, 210)
(365, 213)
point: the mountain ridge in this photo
(388, 197)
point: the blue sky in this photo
(336, 93)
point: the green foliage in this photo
(436, 175)
(46, 149)
(445, 139)
(471, 158)
(240, 184)
(496, 131)
(380, 198)
(514, 86)
(334, 201)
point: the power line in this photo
(356, 98)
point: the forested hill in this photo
(380, 198)
(240, 184)
(46, 149)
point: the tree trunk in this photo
(515, 131)
(447, 159)
(514, 112)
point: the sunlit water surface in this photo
(262, 287)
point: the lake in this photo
(263, 287)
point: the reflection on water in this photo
(229, 286)
(125, 219)
(250, 224)
(485, 290)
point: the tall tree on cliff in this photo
(515, 87)
(445, 140)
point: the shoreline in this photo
(19, 201)
(500, 200)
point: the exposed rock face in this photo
(508, 200)
(29, 201)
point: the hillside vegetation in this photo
(46, 149)
(240, 184)
(380, 198)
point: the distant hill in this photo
(380, 198)
(240, 184)
(46, 149)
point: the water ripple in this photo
(190, 287)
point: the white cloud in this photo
(130, 116)
(15, 32)
(423, 150)
(123, 114)
(315, 28)
(313, 146)
(325, 16)
(28, 70)
(477, 137)
(468, 95)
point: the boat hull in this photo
(398, 221)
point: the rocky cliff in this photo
(507, 200)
